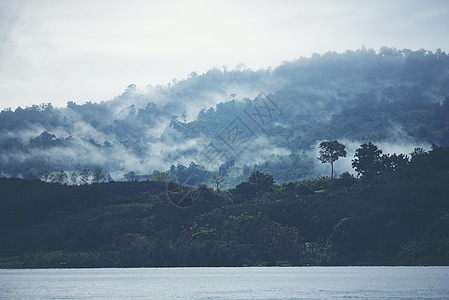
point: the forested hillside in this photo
(396, 98)
(395, 212)
(336, 159)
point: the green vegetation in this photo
(330, 151)
(389, 96)
(396, 213)
(261, 203)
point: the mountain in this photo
(235, 122)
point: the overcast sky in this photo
(58, 51)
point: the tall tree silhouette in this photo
(367, 160)
(330, 151)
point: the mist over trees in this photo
(395, 97)
(390, 216)
(221, 169)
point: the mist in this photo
(355, 97)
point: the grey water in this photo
(227, 283)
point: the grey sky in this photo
(59, 51)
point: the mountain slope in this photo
(391, 96)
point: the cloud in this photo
(90, 50)
(259, 151)
(8, 20)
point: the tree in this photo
(45, 176)
(62, 177)
(160, 176)
(261, 181)
(98, 175)
(257, 184)
(206, 197)
(74, 178)
(367, 160)
(131, 176)
(85, 176)
(244, 191)
(392, 163)
(418, 152)
(330, 151)
(53, 178)
(217, 179)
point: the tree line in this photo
(391, 214)
(86, 176)
(368, 159)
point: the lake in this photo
(227, 283)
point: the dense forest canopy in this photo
(396, 212)
(396, 98)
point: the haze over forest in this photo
(59, 51)
(394, 97)
(312, 150)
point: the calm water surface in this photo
(228, 283)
